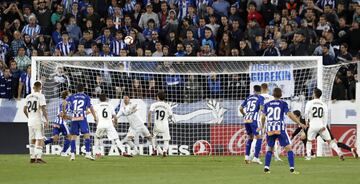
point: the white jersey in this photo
(162, 112)
(132, 114)
(316, 113)
(34, 102)
(267, 97)
(104, 112)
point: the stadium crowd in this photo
(327, 28)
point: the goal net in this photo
(205, 93)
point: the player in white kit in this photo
(268, 98)
(137, 125)
(35, 111)
(162, 115)
(106, 126)
(316, 115)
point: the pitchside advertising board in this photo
(208, 127)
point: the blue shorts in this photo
(251, 128)
(63, 130)
(82, 125)
(283, 138)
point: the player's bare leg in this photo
(277, 151)
(354, 152)
(97, 145)
(130, 141)
(248, 148)
(32, 150)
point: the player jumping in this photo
(106, 125)
(162, 115)
(273, 113)
(34, 109)
(79, 104)
(60, 126)
(137, 126)
(250, 109)
(316, 114)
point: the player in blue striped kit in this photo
(274, 114)
(250, 109)
(60, 125)
(79, 104)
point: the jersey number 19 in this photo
(160, 114)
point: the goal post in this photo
(205, 92)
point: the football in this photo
(128, 40)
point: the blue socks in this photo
(48, 141)
(248, 147)
(290, 155)
(72, 146)
(87, 145)
(66, 145)
(257, 147)
(268, 159)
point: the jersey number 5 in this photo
(32, 106)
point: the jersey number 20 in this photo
(318, 112)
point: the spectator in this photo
(43, 13)
(80, 50)
(190, 40)
(299, 47)
(12, 12)
(193, 89)
(209, 39)
(224, 27)
(352, 85)
(87, 41)
(56, 34)
(284, 50)
(344, 55)
(244, 49)
(353, 38)
(173, 84)
(234, 14)
(192, 16)
(271, 50)
(27, 12)
(41, 44)
(318, 50)
(201, 29)
(58, 16)
(136, 89)
(92, 16)
(267, 10)
(105, 38)
(206, 51)
(66, 47)
(6, 85)
(106, 52)
(171, 23)
(28, 45)
(2, 67)
(151, 90)
(32, 29)
(94, 50)
(180, 50)
(255, 15)
(189, 51)
(221, 7)
(339, 90)
(214, 86)
(22, 60)
(149, 29)
(225, 45)
(327, 58)
(172, 43)
(145, 17)
(235, 33)
(235, 52)
(117, 18)
(185, 26)
(24, 83)
(213, 25)
(74, 30)
(117, 44)
(158, 52)
(74, 12)
(4, 49)
(137, 13)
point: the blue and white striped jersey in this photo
(275, 112)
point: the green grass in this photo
(173, 170)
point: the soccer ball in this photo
(129, 40)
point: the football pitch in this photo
(16, 169)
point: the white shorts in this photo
(110, 132)
(36, 132)
(142, 130)
(314, 130)
(165, 135)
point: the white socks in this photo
(308, 148)
(335, 147)
(32, 151)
